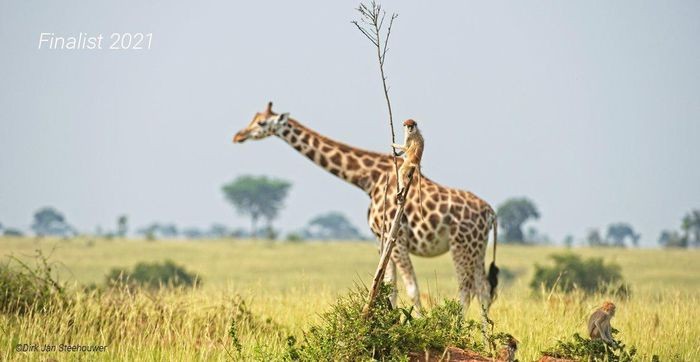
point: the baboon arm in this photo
(610, 339)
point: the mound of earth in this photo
(554, 359)
(452, 354)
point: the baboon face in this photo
(264, 124)
(410, 126)
(609, 308)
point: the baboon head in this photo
(410, 126)
(609, 308)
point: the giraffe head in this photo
(264, 124)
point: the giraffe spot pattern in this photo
(449, 219)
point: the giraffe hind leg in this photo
(483, 287)
(484, 295)
(464, 271)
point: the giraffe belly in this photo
(429, 247)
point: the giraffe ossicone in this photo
(453, 220)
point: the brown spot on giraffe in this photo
(311, 154)
(337, 159)
(352, 164)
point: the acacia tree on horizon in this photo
(512, 214)
(50, 222)
(619, 232)
(256, 197)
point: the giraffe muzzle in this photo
(240, 137)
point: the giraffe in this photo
(454, 220)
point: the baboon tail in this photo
(493, 269)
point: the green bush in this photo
(570, 273)
(294, 238)
(154, 276)
(584, 349)
(24, 289)
(389, 334)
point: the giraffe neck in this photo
(356, 166)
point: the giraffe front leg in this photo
(390, 278)
(400, 257)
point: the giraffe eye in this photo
(262, 123)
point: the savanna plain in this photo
(287, 286)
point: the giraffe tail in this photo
(493, 269)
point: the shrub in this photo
(294, 238)
(570, 272)
(584, 349)
(388, 334)
(24, 289)
(154, 275)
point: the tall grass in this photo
(286, 287)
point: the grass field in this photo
(290, 284)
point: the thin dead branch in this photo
(371, 24)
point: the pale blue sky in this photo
(590, 108)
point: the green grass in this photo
(291, 284)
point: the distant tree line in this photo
(261, 198)
(515, 213)
(617, 235)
